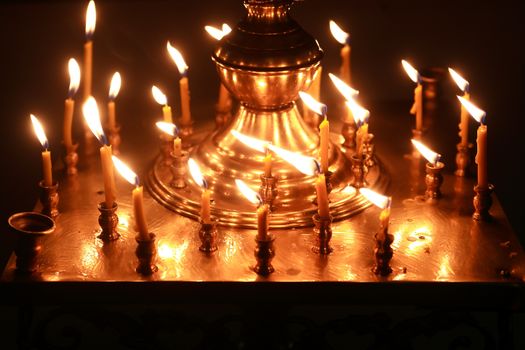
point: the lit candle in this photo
(260, 146)
(46, 154)
(481, 157)
(114, 88)
(162, 100)
(205, 197)
(344, 39)
(417, 108)
(431, 156)
(69, 105)
(347, 92)
(224, 102)
(92, 117)
(465, 87)
(324, 128)
(361, 117)
(263, 210)
(384, 203)
(183, 83)
(137, 196)
(172, 130)
(91, 21)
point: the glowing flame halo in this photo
(92, 117)
(383, 202)
(432, 157)
(313, 104)
(461, 82)
(126, 172)
(74, 77)
(114, 87)
(168, 128)
(413, 74)
(39, 131)
(247, 192)
(476, 112)
(91, 19)
(159, 96)
(196, 174)
(345, 90)
(339, 34)
(176, 56)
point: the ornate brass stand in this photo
(49, 199)
(482, 203)
(323, 233)
(264, 254)
(179, 170)
(434, 180)
(108, 221)
(208, 236)
(147, 254)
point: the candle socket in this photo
(264, 254)
(222, 115)
(108, 221)
(268, 190)
(462, 160)
(166, 147)
(29, 229)
(146, 253)
(369, 151)
(348, 131)
(186, 130)
(482, 203)
(179, 169)
(323, 233)
(359, 170)
(71, 160)
(49, 199)
(434, 180)
(383, 253)
(114, 139)
(208, 236)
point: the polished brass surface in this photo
(49, 199)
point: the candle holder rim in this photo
(438, 166)
(319, 218)
(184, 154)
(53, 185)
(269, 238)
(490, 188)
(151, 236)
(44, 219)
(102, 206)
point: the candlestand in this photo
(348, 131)
(146, 253)
(482, 202)
(268, 190)
(264, 254)
(434, 180)
(108, 221)
(49, 199)
(323, 234)
(369, 151)
(179, 169)
(359, 170)
(208, 236)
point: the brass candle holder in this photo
(49, 199)
(179, 169)
(208, 235)
(369, 151)
(434, 180)
(462, 160)
(348, 131)
(166, 147)
(114, 139)
(108, 221)
(268, 190)
(264, 254)
(146, 253)
(482, 203)
(71, 160)
(383, 252)
(323, 233)
(29, 229)
(359, 170)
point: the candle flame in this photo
(426, 152)
(126, 172)
(176, 56)
(39, 131)
(217, 33)
(313, 104)
(361, 115)
(226, 29)
(168, 128)
(159, 96)
(252, 142)
(340, 35)
(413, 74)
(473, 110)
(74, 77)
(92, 117)
(345, 90)
(459, 80)
(196, 174)
(91, 19)
(306, 165)
(247, 192)
(383, 202)
(114, 87)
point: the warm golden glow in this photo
(340, 35)
(473, 110)
(445, 270)
(226, 29)
(92, 117)
(196, 173)
(168, 128)
(375, 198)
(91, 19)
(114, 88)
(413, 74)
(176, 56)
(159, 96)
(125, 171)
(252, 142)
(361, 115)
(217, 33)
(312, 103)
(459, 80)
(345, 90)
(74, 76)
(306, 165)
(349, 191)
(39, 131)
(247, 192)
(165, 251)
(426, 152)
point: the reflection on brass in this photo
(71, 160)
(462, 160)
(223, 114)
(383, 252)
(114, 139)
(264, 254)
(108, 221)
(208, 236)
(268, 190)
(369, 151)
(147, 255)
(29, 229)
(482, 203)
(179, 170)
(434, 180)
(348, 131)
(166, 147)
(323, 234)
(49, 199)
(359, 170)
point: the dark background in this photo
(483, 40)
